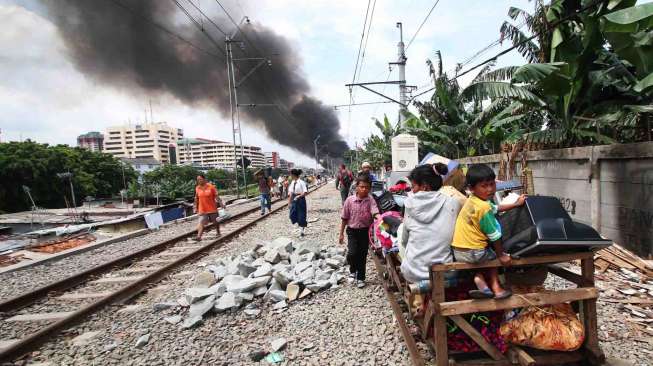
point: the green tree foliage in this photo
(589, 80)
(593, 71)
(36, 166)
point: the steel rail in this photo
(80, 277)
(411, 345)
(34, 340)
(30, 297)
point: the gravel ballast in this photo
(341, 326)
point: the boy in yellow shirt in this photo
(477, 225)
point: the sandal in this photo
(486, 293)
(503, 295)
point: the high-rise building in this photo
(283, 164)
(272, 159)
(291, 165)
(148, 140)
(216, 154)
(92, 141)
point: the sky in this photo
(44, 98)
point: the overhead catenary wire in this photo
(261, 53)
(207, 18)
(166, 30)
(200, 27)
(495, 57)
(421, 25)
(360, 45)
(367, 37)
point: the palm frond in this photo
(529, 49)
(492, 89)
(500, 74)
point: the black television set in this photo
(542, 226)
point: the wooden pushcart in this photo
(433, 324)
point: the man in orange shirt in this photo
(206, 198)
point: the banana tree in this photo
(585, 89)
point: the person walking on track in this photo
(357, 216)
(297, 201)
(264, 187)
(343, 181)
(206, 205)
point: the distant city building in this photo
(172, 153)
(291, 165)
(142, 165)
(272, 159)
(93, 141)
(216, 154)
(283, 164)
(142, 141)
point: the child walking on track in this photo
(358, 213)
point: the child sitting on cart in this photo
(477, 225)
(428, 223)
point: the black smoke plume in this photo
(115, 42)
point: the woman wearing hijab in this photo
(297, 201)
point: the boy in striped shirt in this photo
(477, 225)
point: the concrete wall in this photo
(609, 187)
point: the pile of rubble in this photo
(280, 271)
(628, 283)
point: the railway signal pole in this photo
(404, 90)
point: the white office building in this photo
(216, 154)
(142, 141)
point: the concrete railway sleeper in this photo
(135, 286)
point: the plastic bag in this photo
(551, 328)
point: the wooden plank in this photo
(6, 343)
(117, 279)
(568, 275)
(138, 269)
(391, 269)
(428, 320)
(518, 301)
(630, 301)
(80, 295)
(518, 355)
(415, 356)
(588, 311)
(544, 259)
(157, 261)
(481, 362)
(439, 321)
(39, 317)
(477, 337)
(173, 254)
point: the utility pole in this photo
(404, 90)
(69, 176)
(231, 107)
(401, 65)
(231, 76)
(315, 145)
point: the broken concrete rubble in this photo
(195, 294)
(281, 271)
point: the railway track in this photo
(69, 301)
